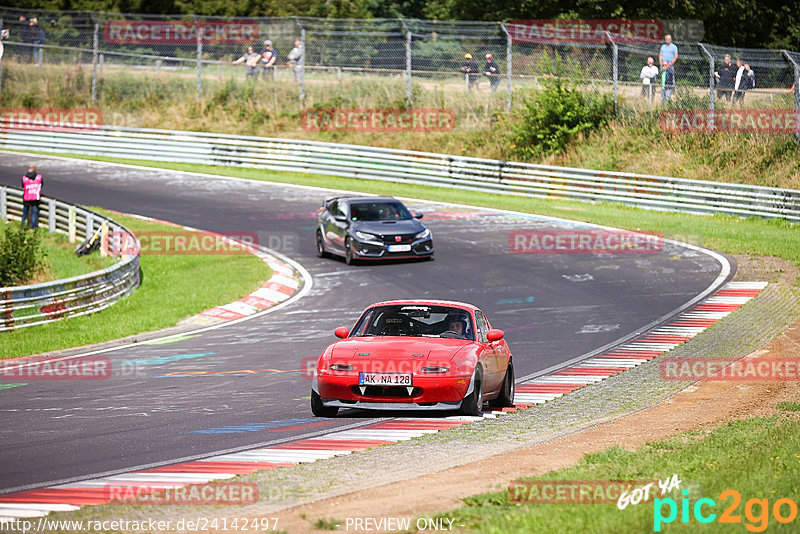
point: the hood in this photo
(31, 175)
(407, 226)
(398, 348)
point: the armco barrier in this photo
(39, 303)
(485, 175)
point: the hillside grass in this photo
(633, 142)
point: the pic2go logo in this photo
(756, 511)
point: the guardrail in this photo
(30, 305)
(477, 174)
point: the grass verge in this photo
(733, 235)
(173, 287)
(60, 260)
(707, 465)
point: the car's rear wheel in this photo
(321, 253)
(348, 252)
(473, 403)
(506, 397)
(319, 409)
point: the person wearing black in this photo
(38, 37)
(269, 58)
(492, 71)
(744, 80)
(26, 37)
(470, 69)
(726, 78)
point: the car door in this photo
(492, 372)
(333, 228)
(502, 354)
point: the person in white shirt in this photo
(648, 75)
(745, 79)
(297, 60)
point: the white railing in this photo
(30, 305)
(477, 174)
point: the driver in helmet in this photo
(456, 323)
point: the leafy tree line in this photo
(737, 23)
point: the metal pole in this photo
(796, 77)
(199, 58)
(1, 60)
(408, 62)
(95, 45)
(508, 66)
(711, 64)
(300, 66)
(614, 69)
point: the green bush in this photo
(21, 255)
(553, 116)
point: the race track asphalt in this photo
(553, 308)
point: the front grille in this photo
(405, 238)
(387, 391)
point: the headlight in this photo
(341, 367)
(431, 369)
(367, 237)
(423, 234)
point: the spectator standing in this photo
(25, 37)
(31, 195)
(726, 79)
(250, 59)
(668, 54)
(667, 82)
(297, 60)
(470, 69)
(649, 75)
(492, 71)
(38, 37)
(269, 58)
(745, 80)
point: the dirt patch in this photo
(702, 406)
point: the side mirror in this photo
(419, 215)
(342, 332)
(494, 335)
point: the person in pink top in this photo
(31, 195)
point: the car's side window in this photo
(365, 326)
(341, 209)
(332, 207)
(480, 320)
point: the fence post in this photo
(1, 59)
(71, 226)
(508, 65)
(300, 66)
(95, 44)
(408, 62)
(51, 215)
(199, 58)
(796, 76)
(614, 69)
(710, 76)
(3, 204)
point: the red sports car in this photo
(415, 355)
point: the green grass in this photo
(60, 260)
(733, 235)
(758, 457)
(173, 287)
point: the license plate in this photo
(384, 379)
(399, 248)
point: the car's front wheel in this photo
(348, 252)
(473, 403)
(506, 397)
(319, 409)
(321, 253)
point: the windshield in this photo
(416, 321)
(378, 211)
